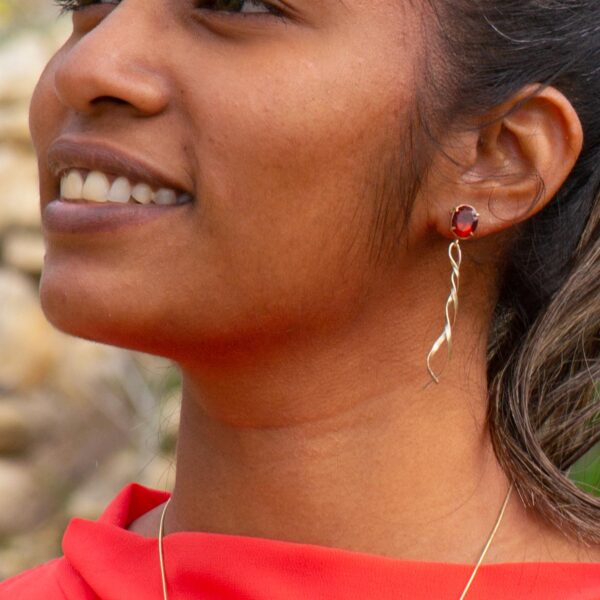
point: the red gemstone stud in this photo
(464, 221)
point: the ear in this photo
(510, 169)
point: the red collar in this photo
(116, 564)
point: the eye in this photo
(72, 5)
(240, 7)
(243, 8)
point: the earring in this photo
(463, 223)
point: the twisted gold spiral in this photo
(455, 255)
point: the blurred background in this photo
(78, 420)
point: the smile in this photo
(77, 185)
(101, 188)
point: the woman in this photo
(369, 234)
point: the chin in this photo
(77, 304)
(94, 304)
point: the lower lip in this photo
(60, 216)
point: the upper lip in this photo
(69, 152)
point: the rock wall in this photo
(78, 420)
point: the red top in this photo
(102, 560)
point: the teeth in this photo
(71, 185)
(165, 196)
(120, 190)
(142, 193)
(96, 187)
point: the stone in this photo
(24, 250)
(97, 364)
(19, 189)
(27, 348)
(14, 124)
(19, 497)
(15, 435)
(32, 547)
(464, 221)
(93, 495)
(22, 59)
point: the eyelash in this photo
(75, 5)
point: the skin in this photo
(305, 386)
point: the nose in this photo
(113, 62)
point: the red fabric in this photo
(102, 560)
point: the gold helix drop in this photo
(463, 223)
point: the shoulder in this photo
(50, 580)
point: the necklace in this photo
(462, 596)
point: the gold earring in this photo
(463, 223)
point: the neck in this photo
(340, 442)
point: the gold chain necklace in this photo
(462, 596)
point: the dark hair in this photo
(544, 347)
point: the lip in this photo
(62, 217)
(69, 218)
(79, 152)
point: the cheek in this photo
(288, 165)
(285, 169)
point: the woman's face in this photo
(285, 131)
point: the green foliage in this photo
(586, 471)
